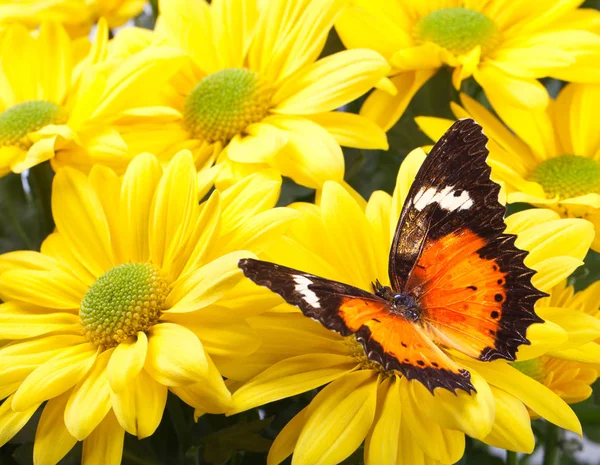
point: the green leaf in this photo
(222, 445)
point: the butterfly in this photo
(458, 282)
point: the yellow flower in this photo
(506, 45)
(400, 421)
(57, 96)
(570, 369)
(552, 158)
(255, 95)
(131, 297)
(77, 16)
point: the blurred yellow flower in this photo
(57, 96)
(506, 45)
(551, 158)
(77, 16)
(570, 369)
(255, 95)
(127, 300)
(401, 422)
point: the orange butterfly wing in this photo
(398, 344)
(472, 299)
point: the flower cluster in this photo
(223, 133)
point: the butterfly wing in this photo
(387, 338)
(449, 252)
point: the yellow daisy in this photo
(127, 300)
(570, 369)
(255, 95)
(57, 96)
(400, 421)
(551, 158)
(506, 45)
(77, 16)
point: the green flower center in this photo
(124, 300)
(568, 176)
(357, 352)
(21, 119)
(533, 368)
(224, 103)
(457, 29)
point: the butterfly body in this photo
(457, 281)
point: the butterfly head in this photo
(400, 304)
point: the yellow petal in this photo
(55, 376)
(572, 236)
(536, 396)
(439, 443)
(39, 152)
(126, 361)
(90, 400)
(582, 328)
(259, 232)
(502, 88)
(139, 407)
(23, 325)
(207, 284)
(52, 438)
(260, 144)
(341, 214)
(350, 130)
(523, 220)
(311, 156)
(553, 270)
(247, 197)
(11, 421)
(289, 377)
(137, 191)
(381, 445)
(105, 445)
(80, 219)
(286, 440)
(55, 54)
(543, 337)
(174, 201)
(338, 420)
(512, 427)
(221, 331)
(210, 395)
(385, 109)
(185, 361)
(472, 414)
(330, 82)
(587, 353)
(51, 289)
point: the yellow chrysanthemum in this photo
(552, 158)
(506, 45)
(57, 96)
(131, 297)
(77, 16)
(255, 94)
(399, 420)
(570, 369)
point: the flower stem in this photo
(511, 458)
(551, 446)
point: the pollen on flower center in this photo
(21, 119)
(126, 299)
(357, 352)
(457, 29)
(224, 103)
(568, 176)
